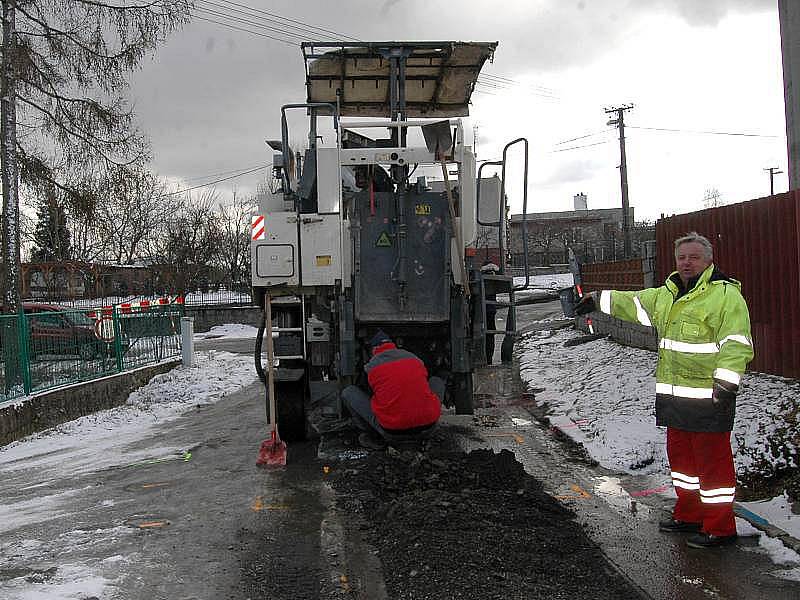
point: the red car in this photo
(54, 329)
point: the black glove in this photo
(722, 396)
(586, 305)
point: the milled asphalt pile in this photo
(449, 524)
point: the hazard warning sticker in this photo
(384, 241)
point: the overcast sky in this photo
(212, 94)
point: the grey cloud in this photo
(211, 95)
(575, 170)
(711, 12)
(388, 5)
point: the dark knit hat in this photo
(379, 338)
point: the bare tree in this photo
(64, 66)
(712, 198)
(190, 242)
(135, 205)
(234, 255)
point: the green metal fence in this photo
(46, 346)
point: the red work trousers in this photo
(704, 478)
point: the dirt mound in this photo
(455, 525)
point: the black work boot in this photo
(708, 540)
(675, 526)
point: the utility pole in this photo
(623, 174)
(772, 172)
(789, 16)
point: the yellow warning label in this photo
(384, 241)
(324, 260)
(422, 209)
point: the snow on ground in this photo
(555, 281)
(607, 403)
(96, 441)
(231, 331)
(101, 440)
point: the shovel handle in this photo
(456, 230)
(273, 412)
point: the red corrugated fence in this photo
(757, 243)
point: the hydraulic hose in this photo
(259, 340)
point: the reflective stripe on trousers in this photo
(704, 476)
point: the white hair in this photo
(693, 236)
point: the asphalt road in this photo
(216, 527)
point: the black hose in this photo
(259, 340)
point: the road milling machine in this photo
(352, 238)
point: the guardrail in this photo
(45, 346)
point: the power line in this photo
(583, 146)
(700, 132)
(283, 28)
(499, 85)
(290, 43)
(287, 19)
(508, 80)
(302, 31)
(214, 182)
(233, 18)
(223, 173)
(580, 137)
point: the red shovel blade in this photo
(272, 453)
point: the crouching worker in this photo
(405, 404)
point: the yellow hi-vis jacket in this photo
(703, 335)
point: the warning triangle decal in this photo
(383, 240)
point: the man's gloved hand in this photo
(587, 304)
(724, 394)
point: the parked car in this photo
(54, 329)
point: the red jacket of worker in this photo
(401, 396)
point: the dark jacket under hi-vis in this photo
(703, 335)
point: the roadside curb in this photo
(740, 511)
(762, 524)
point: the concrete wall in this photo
(630, 334)
(52, 408)
(206, 317)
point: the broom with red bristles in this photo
(273, 451)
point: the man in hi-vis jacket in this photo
(704, 336)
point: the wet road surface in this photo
(215, 527)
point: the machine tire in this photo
(507, 349)
(291, 396)
(461, 389)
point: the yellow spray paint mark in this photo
(345, 583)
(580, 493)
(517, 437)
(152, 524)
(326, 469)
(258, 505)
(157, 484)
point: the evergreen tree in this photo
(51, 237)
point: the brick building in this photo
(595, 235)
